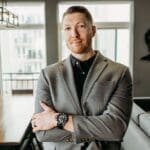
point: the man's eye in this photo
(82, 26)
(67, 28)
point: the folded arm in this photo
(53, 134)
(109, 126)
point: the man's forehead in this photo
(74, 17)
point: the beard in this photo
(79, 48)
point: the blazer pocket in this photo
(100, 96)
(104, 87)
(105, 83)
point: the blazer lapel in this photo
(67, 74)
(99, 64)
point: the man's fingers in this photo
(36, 116)
(34, 123)
(35, 129)
(45, 107)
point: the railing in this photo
(19, 83)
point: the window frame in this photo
(33, 26)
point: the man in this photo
(83, 102)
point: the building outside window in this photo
(23, 48)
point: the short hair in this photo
(79, 9)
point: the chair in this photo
(30, 141)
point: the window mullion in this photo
(115, 48)
(108, 25)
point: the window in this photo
(116, 47)
(23, 48)
(114, 24)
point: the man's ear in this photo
(93, 30)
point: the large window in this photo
(23, 48)
(114, 29)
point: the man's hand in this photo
(45, 120)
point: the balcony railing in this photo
(19, 83)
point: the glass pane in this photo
(105, 42)
(112, 13)
(25, 52)
(23, 57)
(29, 14)
(103, 12)
(23, 49)
(64, 51)
(123, 46)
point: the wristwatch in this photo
(61, 119)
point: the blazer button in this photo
(70, 140)
(67, 140)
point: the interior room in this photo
(31, 38)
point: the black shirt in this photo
(80, 70)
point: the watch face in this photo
(62, 119)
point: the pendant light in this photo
(7, 18)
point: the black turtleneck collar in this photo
(80, 70)
(82, 65)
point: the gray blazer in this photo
(101, 118)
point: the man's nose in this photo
(74, 32)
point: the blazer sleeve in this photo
(43, 93)
(112, 124)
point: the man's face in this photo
(78, 33)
